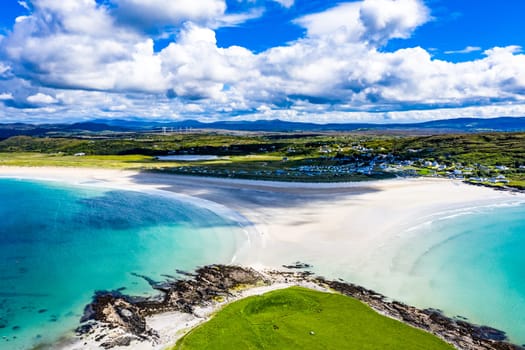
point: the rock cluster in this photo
(122, 319)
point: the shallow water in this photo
(473, 265)
(469, 264)
(59, 244)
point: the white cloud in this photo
(388, 19)
(512, 49)
(190, 78)
(4, 68)
(41, 98)
(159, 13)
(344, 17)
(6, 96)
(231, 20)
(73, 16)
(21, 19)
(118, 108)
(467, 49)
(24, 5)
(372, 21)
(75, 44)
(285, 3)
(321, 114)
(85, 62)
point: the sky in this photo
(378, 61)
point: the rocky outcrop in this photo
(118, 320)
(125, 316)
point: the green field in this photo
(298, 318)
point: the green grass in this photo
(132, 161)
(284, 319)
(60, 160)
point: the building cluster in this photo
(333, 161)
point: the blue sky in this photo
(302, 60)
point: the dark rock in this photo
(120, 341)
(85, 328)
(298, 265)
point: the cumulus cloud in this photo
(79, 58)
(343, 18)
(372, 21)
(388, 19)
(75, 44)
(42, 99)
(190, 78)
(6, 96)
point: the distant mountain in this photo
(477, 124)
(114, 125)
(460, 124)
(94, 126)
(19, 129)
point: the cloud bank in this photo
(81, 59)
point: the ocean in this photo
(59, 244)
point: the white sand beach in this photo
(343, 229)
(343, 222)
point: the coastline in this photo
(288, 222)
(347, 226)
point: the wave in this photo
(450, 214)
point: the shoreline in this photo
(282, 219)
(346, 226)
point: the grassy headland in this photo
(298, 318)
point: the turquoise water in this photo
(60, 244)
(471, 264)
